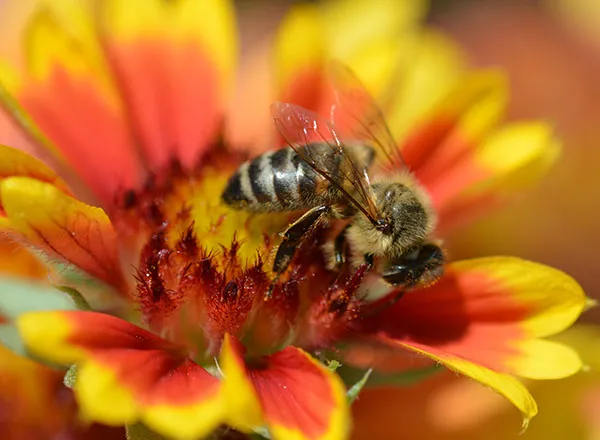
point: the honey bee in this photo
(347, 167)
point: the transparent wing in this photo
(355, 115)
(304, 131)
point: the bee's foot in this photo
(269, 293)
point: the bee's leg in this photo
(340, 247)
(292, 237)
(370, 260)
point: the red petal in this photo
(482, 311)
(300, 397)
(171, 91)
(91, 135)
(165, 391)
(70, 97)
(157, 377)
(307, 89)
(66, 337)
(174, 63)
(126, 374)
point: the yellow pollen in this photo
(215, 224)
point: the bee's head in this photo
(405, 220)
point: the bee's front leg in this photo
(292, 238)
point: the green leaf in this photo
(70, 377)
(355, 389)
(11, 339)
(260, 433)
(18, 296)
(333, 365)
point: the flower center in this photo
(203, 269)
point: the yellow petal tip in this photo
(590, 303)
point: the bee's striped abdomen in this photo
(274, 181)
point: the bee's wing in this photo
(302, 129)
(355, 113)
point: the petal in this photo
(245, 412)
(174, 63)
(295, 396)
(164, 391)
(68, 337)
(586, 340)
(18, 128)
(16, 163)
(300, 398)
(511, 159)
(249, 127)
(369, 39)
(502, 383)
(62, 226)
(545, 360)
(18, 261)
(549, 299)
(353, 24)
(467, 165)
(455, 125)
(484, 315)
(69, 95)
(432, 68)
(299, 56)
(452, 407)
(126, 374)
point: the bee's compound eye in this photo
(398, 275)
(421, 266)
(431, 252)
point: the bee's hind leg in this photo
(292, 238)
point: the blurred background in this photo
(550, 51)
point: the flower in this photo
(128, 106)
